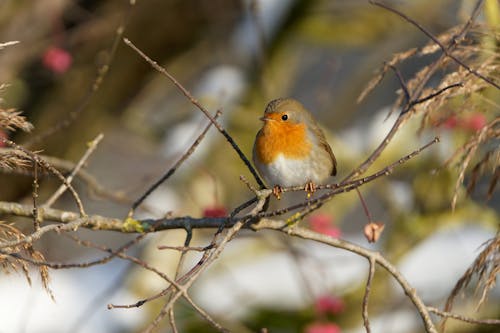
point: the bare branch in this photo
(101, 74)
(40, 161)
(92, 145)
(445, 50)
(368, 254)
(177, 164)
(371, 273)
(195, 102)
(463, 318)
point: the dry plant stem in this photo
(112, 254)
(29, 239)
(184, 222)
(195, 102)
(376, 257)
(436, 40)
(212, 256)
(364, 313)
(40, 161)
(344, 187)
(402, 82)
(36, 217)
(146, 266)
(445, 314)
(185, 248)
(365, 207)
(94, 186)
(94, 87)
(308, 234)
(120, 253)
(176, 166)
(172, 321)
(436, 93)
(469, 145)
(471, 152)
(417, 91)
(187, 242)
(91, 147)
(7, 44)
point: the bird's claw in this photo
(277, 190)
(310, 188)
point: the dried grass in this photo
(10, 257)
(485, 267)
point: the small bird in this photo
(290, 149)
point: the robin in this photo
(290, 149)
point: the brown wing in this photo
(324, 144)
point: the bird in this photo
(291, 149)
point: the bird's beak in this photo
(264, 118)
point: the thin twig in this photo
(463, 318)
(95, 187)
(36, 216)
(211, 256)
(402, 83)
(176, 166)
(195, 102)
(153, 225)
(46, 165)
(365, 206)
(102, 71)
(445, 50)
(184, 248)
(371, 273)
(346, 186)
(416, 94)
(92, 145)
(436, 93)
(376, 256)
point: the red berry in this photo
(57, 60)
(215, 211)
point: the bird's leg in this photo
(277, 190)
(310, 188)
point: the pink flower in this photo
(319, 327)
(57, 60)
(215, 211)
(329, 304)
(323, 223)
(475, 121)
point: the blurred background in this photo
(235, 56)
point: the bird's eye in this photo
(284, 117)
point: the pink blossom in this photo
(323, 223)
(322, 327)
(57, 60)
(329, 304)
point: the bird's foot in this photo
(310, 188)
(277, 190)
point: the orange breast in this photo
(282, 138)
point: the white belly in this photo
(288, 172)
